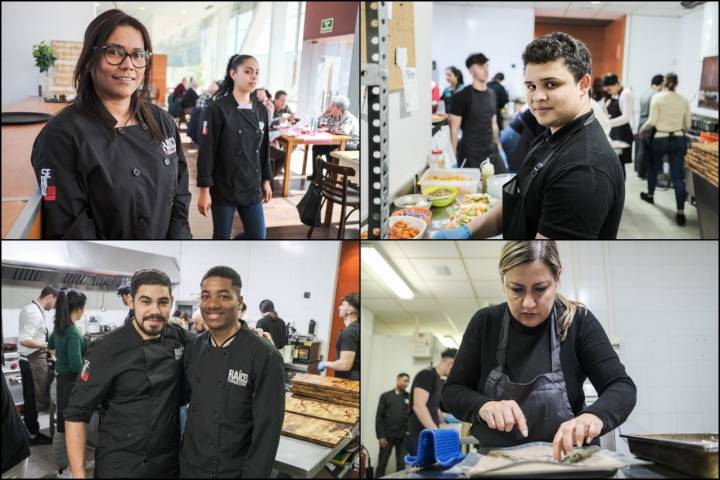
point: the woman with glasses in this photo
(111, 165)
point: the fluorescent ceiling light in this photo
(382, 269)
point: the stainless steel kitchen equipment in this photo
(694, 453)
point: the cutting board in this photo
(315, 430)
(324, 396)
(328, 383)
(322, 410)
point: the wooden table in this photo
(20, 193)
(291, 142)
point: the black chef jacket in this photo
(15, 438)
(349, 341)
(97, 187)
(580, 192)
(392, 414)
(137, 385)
(237, 406)
(236, 159)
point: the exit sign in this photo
(326, 25)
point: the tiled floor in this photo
(281, 216)
(642, 220)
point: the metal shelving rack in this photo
(374, 77)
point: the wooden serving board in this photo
(322, 410)
(325, 396)
(329, 383)
(315, 430)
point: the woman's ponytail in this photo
(67, 301)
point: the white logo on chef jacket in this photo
(179, 352)
(237, 377)
(85, 373)
(169, 146)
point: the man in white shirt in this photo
(32, 347)
(620, 107)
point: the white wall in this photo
(280, 271)
(388, 356)
(25, 24)
(661, 45)
(500, 33)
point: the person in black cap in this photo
(124, 293)
(111, 165)
(570, 185)
(473, 110)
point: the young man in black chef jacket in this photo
(133, 375)
(391, 424)
(571, 184)
(236, 386)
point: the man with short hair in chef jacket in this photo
(235, 382)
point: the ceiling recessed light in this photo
(382, 269)
(141, 8)
(184, 12)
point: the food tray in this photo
(694, 453)
(467, 185)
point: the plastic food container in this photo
(496, 182)
(414, 200)
(466, 180)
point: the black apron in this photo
(623, 132)
(476, 145)
(514, 194)
(543, 401)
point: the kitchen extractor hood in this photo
(78, 264)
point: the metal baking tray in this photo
(24, 118)
(692, 453)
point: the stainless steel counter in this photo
(302, 459)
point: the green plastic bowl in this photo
(442, 203)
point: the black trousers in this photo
(65, 385)
(384, 456)
(30, 416)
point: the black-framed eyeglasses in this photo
(116, 55)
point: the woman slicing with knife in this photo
(518, 375)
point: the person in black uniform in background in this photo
(520, 370)
(111, 165)
(272, 324)
(501, 97)
(473, 110)
(133, 375)
(391, 424)
(15, 438)
(347, 347)
(124, 293)
(425, 399)
(621, 110)
(236, 385)
(234, 157)
(571, 184)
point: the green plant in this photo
(44, 56)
